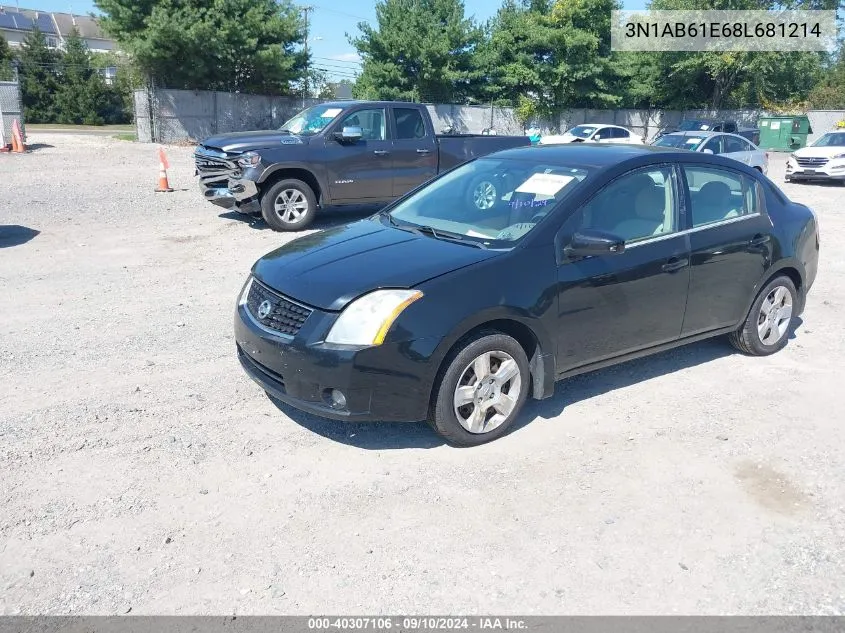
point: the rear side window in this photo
(714, 145)
(618, 132)
(409, 123)
(717, 195)
(732, 144)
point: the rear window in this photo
(582, 131)
(680, 141)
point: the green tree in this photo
(829, 94)
(421, 50)
(82, 91)
(6, 58)
(234, 45)
(544, 57)
(38, 77)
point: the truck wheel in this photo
(484, 193)
(289, 205)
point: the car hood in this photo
(245, 141)
(821, 152)
(330, 268)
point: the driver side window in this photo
(371, 122)
(636, 206)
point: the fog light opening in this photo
(335, 398)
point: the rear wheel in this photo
(289, 205)
(484, 193)
(482, 390)
(767, 326)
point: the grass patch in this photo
(81, 128)
(126, 137)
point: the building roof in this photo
(86, 25)
(26, 20)
(50, 23)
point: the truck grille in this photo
(214, 166)
(284, 315)
(811, 162)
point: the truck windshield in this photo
(311, 121)
(833, 139)
(679, 140)
(691, 124)
(492, 203)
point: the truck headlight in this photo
(366, 320)
(250, 159)
(840, 156)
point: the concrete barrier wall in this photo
(171, 116)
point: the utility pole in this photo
(305, 10)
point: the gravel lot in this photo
(141, 470)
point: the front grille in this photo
(810, 161)
(214, 166)
(284, 315)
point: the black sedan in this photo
(438, 309)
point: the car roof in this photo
(353, 102)
(596, 125)
(606, 156)
(705, 134)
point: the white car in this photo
(823, 160)
(592, 134)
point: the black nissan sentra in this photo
(485, 286)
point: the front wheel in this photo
(289, 205)
(482, 390)
(767, 326)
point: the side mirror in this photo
(591, 242)
(350, 134)
(707, 151)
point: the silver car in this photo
(728, 145)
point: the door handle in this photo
(423, 151)
(380, 152)
(759, 240)
(675, 264)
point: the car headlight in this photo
(250, 159)
(366, 320)
(840, 156)
(242, 299)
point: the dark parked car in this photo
(349, 152)
(592, 255)
(715, 125)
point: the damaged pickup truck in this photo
(343, 153)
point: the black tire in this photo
(747, 338)
(442, 416)
(277, 221)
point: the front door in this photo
(731, 244)
(361, 171)
(414, 150)
(615, 304)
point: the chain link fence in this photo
(11, 108)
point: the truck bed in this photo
(458, 148)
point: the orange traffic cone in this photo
(17, 138)
(163, 165)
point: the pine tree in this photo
(38, 76)
(82, 91)
(5, 60)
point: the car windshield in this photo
(311, 121)
(681, 141)
(491, 203)
(691, 125)
(832, 139)
(582, 131)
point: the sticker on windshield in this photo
(704, 126)
(693, 141)
(331, 113)
(545, 184)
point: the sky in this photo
(329, 22)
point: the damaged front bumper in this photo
(238, 195)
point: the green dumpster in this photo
(784, 133)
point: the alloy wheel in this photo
(487, 392)
(775, 315)
(484, 195)
(291, 205)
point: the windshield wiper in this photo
(446, 235)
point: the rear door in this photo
(611, 305)
(736, 148)
(730, 243)
(414, 150)
(621, 135)
(361, 171)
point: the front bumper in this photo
(834, 169)
(390, 382)
(240, 195)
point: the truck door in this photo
(361, 171)
(414, 150)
